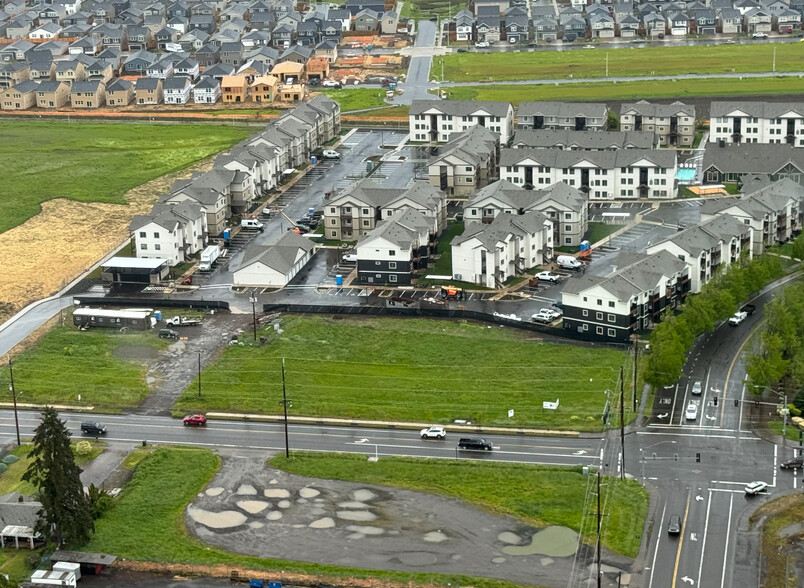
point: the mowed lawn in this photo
(418, 370)
(540, 495)
(104, 367)
(601, 91)
(591, 63)
(94, 162)
(357, 98)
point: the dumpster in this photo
(256, 583)
(339, 280)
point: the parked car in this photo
(330, 154)
(349, 258)
(738, 318)
(475, 443)
(697, 387)
(793, 464)
(482, 44)
(331, 84)
(541, 317)
(197, 420)
(168, 334)
(434, 432)
(90, 428)
(756, 487)
(691, 413)
(674, 525)
(552, 312)
(749, 309)
(548, 277)
(759, 35)
(463, 50)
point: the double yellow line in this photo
(681, 538)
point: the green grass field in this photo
(540, 495)
(103, 366)
(148, 525)
(591, 63)
(420, 9)
(94, 162)
(411, 370)
(602, 91)
(357, 98)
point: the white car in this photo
(350, 258)
(737, 318)
(691, 413)
(551, 312)
(697, 388)
(548, 277)
(756, 487)
(541, 317)
(331, 84)
(330, 154)
(482, 44)
(759, 36)
(434, 432)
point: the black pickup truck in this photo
(749, 309)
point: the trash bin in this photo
(274, 584)
(339, 280)
(255, 583)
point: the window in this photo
(567, 227)
(568, 240)
(612, 333)
(333, 221)
(585, 327)
(347, 210)
(391, 265)
(142, 234)
(599, 302)
(366, 223)
(156, 235)
(392, 278)
(611, 304)
(567, 215)
(392, 252)
(365, 211)
(468, 168)
(333, 233)
(599, 316)
(612, 318)
(599, 330)
(585, 313)
(158, 247)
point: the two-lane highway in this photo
(270, 438)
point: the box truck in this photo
(208, 257)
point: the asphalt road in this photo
(239, 434)
(417, 81)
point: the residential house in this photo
(654, 24)
(177, 90)
(218, 71)
(264, 89)
(340, 16)
(99, 70)
(628, 25)
(705, 21)
(232, 53)
(572, 26)
(70, 71)
(787, 21)
(773, 211)
(603, 175)
(584, 140)
(16, 51)
(516, 29)
(491, 254)
(707, 246)
(392, 252)
(757, 20)
(187, 68)
(486, 6)
(256, 38)
(202, 22)
(757, 122)
(234, 89)
(267, 55)
(19, 97)
(602, 25)
(86, 46)
(148, 91)
(139, 62)
(434, 121)
(274, 265)
(87, 94)
(42, 70)
(678, 24)
(308, 32)
(327, 50)
(296, 54)
(545, 29)
(731, 163)
(173, 232)
(208, 55)
(288, 72)
(119, 93)
(467, 162)
(673, 123)
(283, 35)
(570, 116)
(138, 38)
(207, 91)
(630, 299)
(367, 20)
(487, 24)
(19, 28)
(53, 13)
(292, 92)
(464, 25)
(254, 69)
(52, 94)
(13, 74)
(355, 6)
(731, 21)
(389, 22)
(331, 30)
(317, 68)
(45, 32)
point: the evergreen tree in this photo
(65, 516)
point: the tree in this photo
(65, 515)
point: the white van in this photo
(568, 262)
(251, 224)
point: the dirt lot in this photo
(32, 271)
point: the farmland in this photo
(591, 63)
(421, 371)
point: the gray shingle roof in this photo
(280, 256)
(548, 139)
(756, 109)
(658, 110)
(562, 109)
(460, 107)
(753, 158)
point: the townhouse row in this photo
(248, 171)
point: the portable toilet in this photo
(584, 245)
(158, 315)
(227, 234)
(310, 211)
(339, 280)
(313, 160)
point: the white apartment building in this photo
(433, 121)
(170, 232)
(566, 116)
(757, 122)
(602, 175)
(673, 123)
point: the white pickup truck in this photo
(738, 318)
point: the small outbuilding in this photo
(136, 270)
(139, 320)
(275, 265)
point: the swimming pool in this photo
(685, 174)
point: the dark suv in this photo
(474, 443)
(793, 464)
(90, 428)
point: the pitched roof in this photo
(548, 139)
(646, 108)
(562, 109)
(601, 159)
(281, 255)
(753, 158)
(756, 109)
(460, 107)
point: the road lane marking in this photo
(726, 551)
(733, 361)
(775, 461)
(673, 406)
(658, 541)
(681, 538)
(703, 543)
(741, 405)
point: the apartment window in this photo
(599, 302)
(612, 318)
(143, 246)
(392, 278)
(158, 247)
(567, 216)
(392, 252)
(156, 235)
(347, 210)
(585, 327)
(333, 233)
(365, 211)
(467, 168)
(391, 265)
(585, 313)
(333, 221)
(599, 316)
(366, 223)
(612, 333)
(599, 330)
(568, 240)
(567, 227)
(142, 234)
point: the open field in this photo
(420, 9)
(411, 370)
(357, 98)
(602, 91)
(540, 495)
(645, 61)
(105, 367)
(94, 162)
(147, 525)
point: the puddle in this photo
(417, 558)
(308, 492)
(365, 530)
(552, 541)
(255, 525)
(247, 490)
(216, 491)
(283, 504)
(498, 560)
(274, 515)
(216, 520)
(509, 537)
(277, 493)
(356, 515)
(325, 523)
(435, 537)
(363, 495)
(253, 506)
(352, 504)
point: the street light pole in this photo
(14, 398)
(199, 373)
(253, 300)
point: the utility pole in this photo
(774, 58)
(285, 407)
(253, 300)
(14, 398)
(785, 410)
(598, 530)
(622, 424)
(607, 64)
(633, 394)
(199, 373)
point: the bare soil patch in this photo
(47, 252)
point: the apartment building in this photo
(757, 122)
(467, 162)
(674, 123)
(433, 121)
(565, 116)
(170, 232)
(584, 140)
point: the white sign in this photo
(511, 413)
(550, 405)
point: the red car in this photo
(199, 420)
